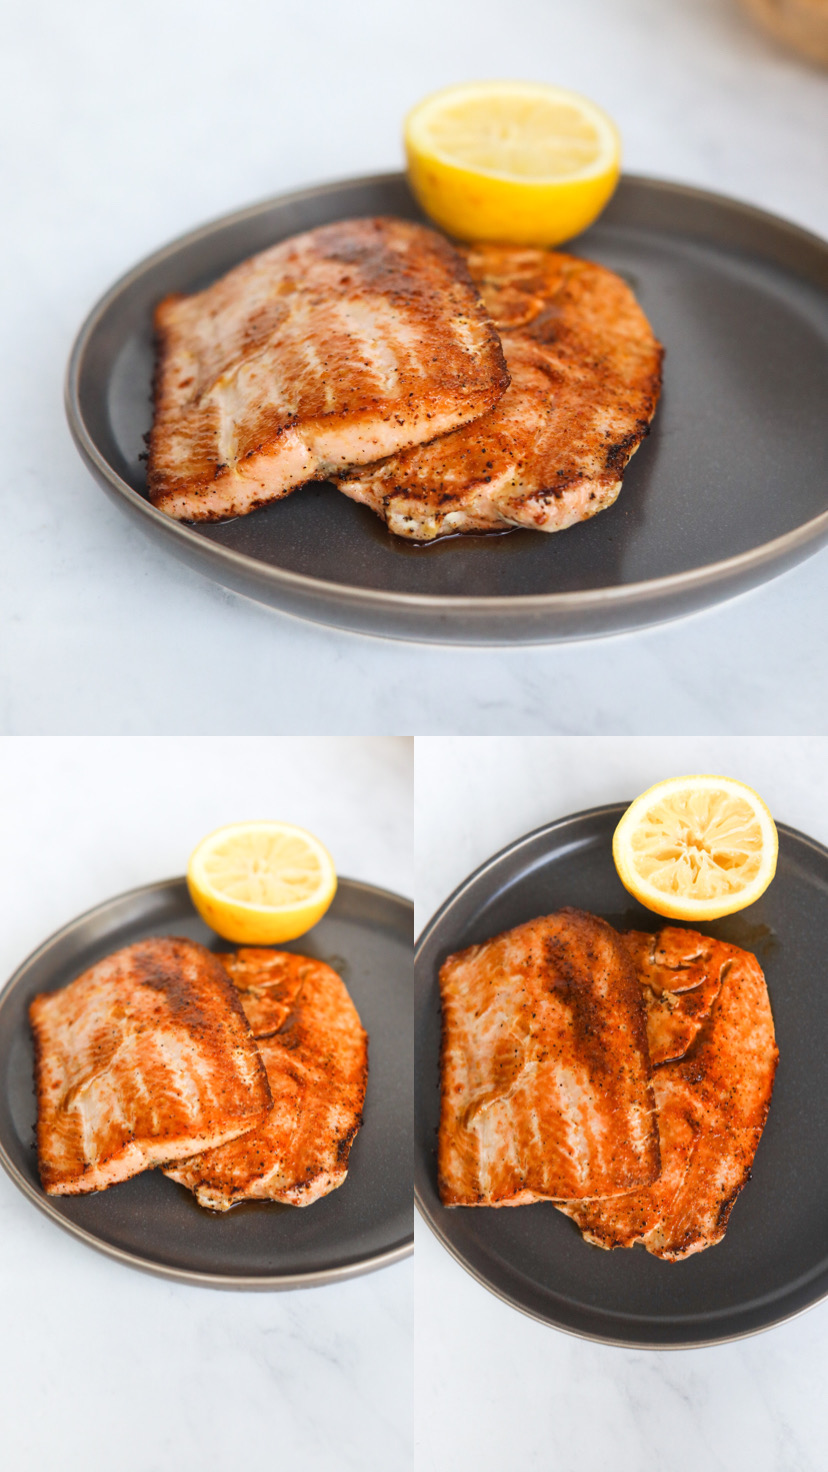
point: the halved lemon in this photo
(261, 883)
(695, 848)
(518, 162)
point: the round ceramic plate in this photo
(151, 1222)
(773, 1261)
(728, 491)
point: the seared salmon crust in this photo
(546, 1090)
(145, 1058)
(713, 1098)
(331, 349)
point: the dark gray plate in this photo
(773, 1262)
(151, 1222)
(728, 491)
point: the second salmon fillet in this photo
(712, 1036)
(315, 1051)
(585, 373)
(329, 350)
(546, 1090)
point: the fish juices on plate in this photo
(451, 388)
(624, 1077)
(241, 1075)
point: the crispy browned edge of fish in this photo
(641, 1039)
(236, 1006)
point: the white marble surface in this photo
(129, 124)
(105, 1367)
(493, 1388)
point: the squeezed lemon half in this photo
(518, 162)
(261, 883)
(695, 848)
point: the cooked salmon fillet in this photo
(585, 374)
(712, 1102)
(315, 1051)
(331, 349)
(546, 1088)
(145, 1058)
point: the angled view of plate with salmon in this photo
(230, 1116)
(618, 1120)
(366, 423)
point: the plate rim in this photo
(602, 810)
(259, 1282)
(354, 597)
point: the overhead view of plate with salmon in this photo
(326, 404)
(618, 1126)
(233, 1117)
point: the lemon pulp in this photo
(696, 847)
(261, 883)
